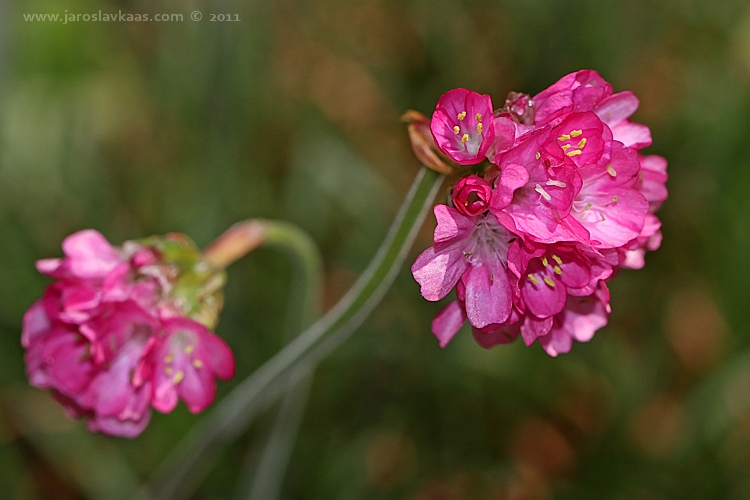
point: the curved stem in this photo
(307, 288)
(265, 468)
(235, 412)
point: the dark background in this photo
(139, 128)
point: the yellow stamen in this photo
(611, 171)
(564, 137)
(566, 147)
(556, 259)
(189, 348)
(533, 279)
(557, 270)
(168, 359)
(538, 155)
(479, 117)
(198, 363)
(456, 129)
(492, 277)
(575, 152)
(461, 115)
(575, 133)
(581, 143)
(178, 377)
(614, 199)
(545, 262)
(465, 138)
(588, 205)
(479, 128)
(168, 370)
(549, 281)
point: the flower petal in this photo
(448, 322)
(488, 294)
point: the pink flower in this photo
(586, 91)
(579, 320)
(472, 249)
(548, 274)
(608, 205)
(652, 180)
(633, 254)
(452, 317)
(571, 201)
(89, 337)
(186, 359)
(579, 91)
(535, 189)
(462, 125)
(615, 112)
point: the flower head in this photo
(566, 200)
(92, 335)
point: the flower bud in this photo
(471, 196)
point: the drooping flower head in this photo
(92, 335)
(565, 201)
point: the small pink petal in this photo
(89, 254)
(616, 108)
(438, 272)
(448, 322)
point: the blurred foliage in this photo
(292, 113)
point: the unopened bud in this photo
(423, 143)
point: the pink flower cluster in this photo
(111, 340)
(532, 237)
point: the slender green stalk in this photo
(265, 468)
(235, 412)
(308, 273)
(264, 473)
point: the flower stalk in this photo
(186, 465)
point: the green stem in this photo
(265, 468)
(236, 411)
(308, 264)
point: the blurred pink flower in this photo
(90, 336)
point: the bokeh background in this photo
(139, 128)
